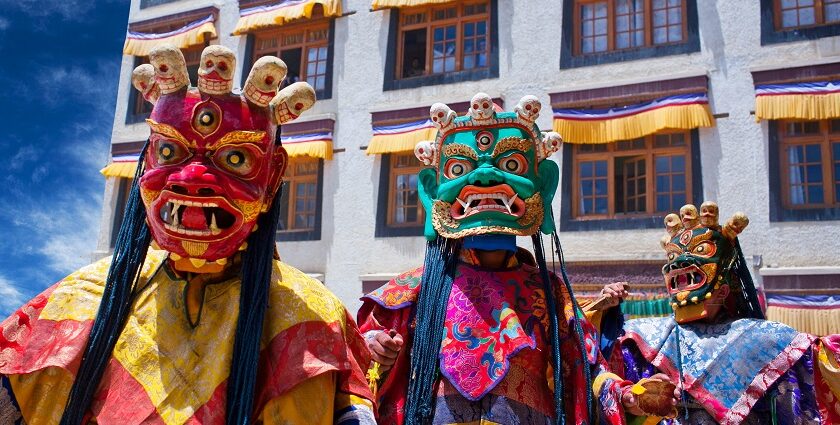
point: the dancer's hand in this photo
(384, 347)
(614, 293)
(632, 403)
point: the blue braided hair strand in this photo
(435, 286)
(749, 305)
(118, 295)
(554, 331)
(257, 264)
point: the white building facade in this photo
(353, 216)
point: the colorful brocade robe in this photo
(745, 371)
(167, 370)
(495, 358)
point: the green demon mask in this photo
(488, 171)
(701, 255)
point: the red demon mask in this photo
(212, 165)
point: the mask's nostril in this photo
(181, 190)
(204, 191)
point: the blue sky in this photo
(59, 74)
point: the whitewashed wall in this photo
(734, 152)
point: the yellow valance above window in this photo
(124, 169)
(259, 17)
(400, 137)
(590, 126)
(807, 101)
(386, 4)
(192, 34)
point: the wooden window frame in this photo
(772, 32)
(571, 55)
(649, 154)
(315, 24)
(385, 223)
(571, 220)
(430, 25)
(779, 187)
(393, 173)
(819, 16)
(825, 138)
(289, 180)
(394, 58)
(611, 26)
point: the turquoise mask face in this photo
(490, 177)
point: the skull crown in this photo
(483, 112)
(166, 74)
(690, 218)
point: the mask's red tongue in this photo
(682, 281)
(193, 218)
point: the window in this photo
(300, 216)
(441, 44)
(603, 31)
(621, 24)
(400, 212)
(304, 47)
(404, 207)
(444, 39)
(633, 179)
(805, 13)
(810, 164)
(792, 20)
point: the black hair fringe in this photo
(118, 295)
(257, 266)
(435, 287)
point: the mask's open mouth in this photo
(193, 217)
(685, 279)
(476, 200)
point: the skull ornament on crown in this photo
(701, 258)
(488, 172)
(212, 165)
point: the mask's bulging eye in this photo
(514, 164)
(456, 168)
(235, 159)
(704, 249)
(484, 140)
(169, 153)
(672, 256)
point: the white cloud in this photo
(64, 230)
(22, 157)
(4, 23)
(11, 297)
(89, 87)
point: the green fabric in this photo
(647, 308)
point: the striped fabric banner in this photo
(400, 137)
(818, 302)
(140, 44)
(316, 145)
(809, 101)
(814, 314)
(685, 111)
(121, 166)
(254, 18)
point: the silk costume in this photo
(167, 370)
(488, 180)
(733, 366)
(495, 359)
(207, 326)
